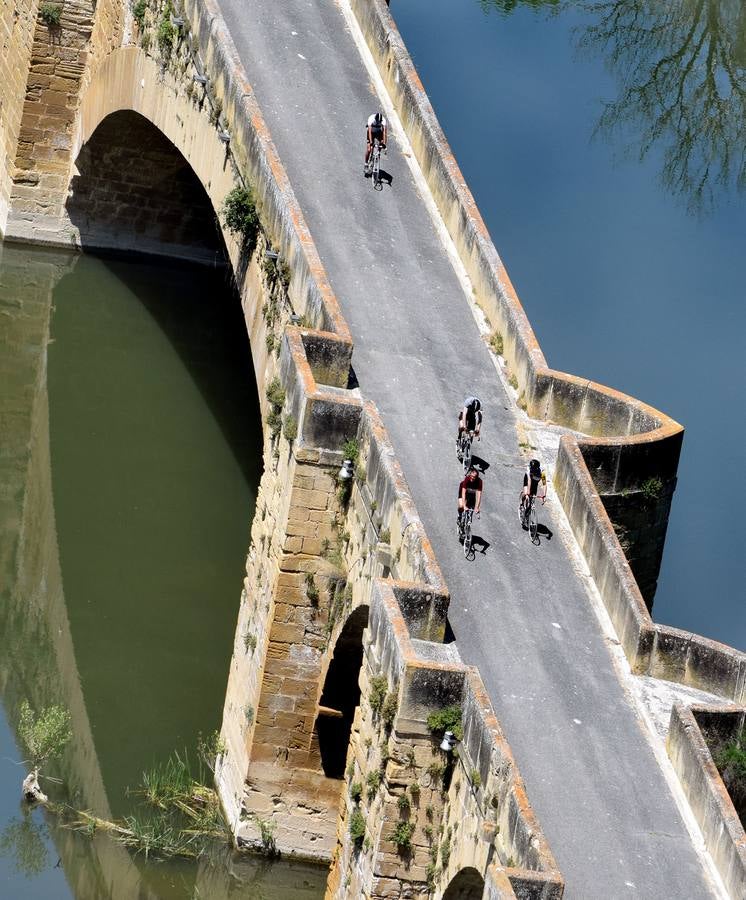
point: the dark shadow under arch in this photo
(467, 884)
(341, 695)
(136, 192)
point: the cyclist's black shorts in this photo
(472, 420)
(376, 132)
(532, 484)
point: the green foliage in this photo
(166, 31)
(402, 836)
(404, 804)
(276, 394)
(138, 11)
(270, 341)
(274, 422)
(414, 790)
(283, 273)
(168, 782)
(513, 381)
(378, 687)
(384, 536)
(312, 591)
(651, 489)
(249, 641)
(446, 719)
(249, 713)
(351, 450)
(356, 791)
(388, 710)
(290, 429)
(357, 826)
(430, 873)
(445, 853)
(216, 109)
(373, 782)
(145, 42)
(51, 14)
(267, 830)
(731, 762)
(435, 770)
(496, 342)
(44, 734)
(240, 214)
(475, 778)
(210, 747)
(23, 841)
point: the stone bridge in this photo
(125, 129)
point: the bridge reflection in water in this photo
(130, 458)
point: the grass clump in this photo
(378, 688)
(731, 762)
(388, 710)
(373, 781)
(401, 836)
(51, 14)
(351, 450)
(513, 381)
(290, 429)
(496, 342)
(240, 214)
(357, 826)
(138, 12)
(166, 31)
(356, 791)
(651, 489)
(446, 719)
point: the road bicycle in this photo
(527, 516)
(464, 530)
(375, 165)
(463, 450)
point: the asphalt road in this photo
(520, 613)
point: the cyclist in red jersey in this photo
(469, 494)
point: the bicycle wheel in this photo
(467, 454)
(533, 525)
(467, 538)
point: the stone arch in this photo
(340, 696)
(467, 884)
(129, 81)
(132, 186)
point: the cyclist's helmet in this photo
(474, 403)
(378, 118)
(534, 468)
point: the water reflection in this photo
(22, 839)
(680, 67)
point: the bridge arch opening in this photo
(467, 884)
(341, 695)
(133, 190)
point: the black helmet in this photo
(378, 118)
(534, 468)
(477, 404)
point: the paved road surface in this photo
(520, 613)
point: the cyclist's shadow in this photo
(386, 177)
(478, 545)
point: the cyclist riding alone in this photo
(470, 418)
(469, 495)
(377, 127)
(534, 483)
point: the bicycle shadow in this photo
(479, 544)
(386, 177)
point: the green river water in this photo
(130, 459)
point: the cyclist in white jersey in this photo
(377, 127)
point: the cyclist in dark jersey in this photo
(534, 483)
(470, 417)
(469, 494)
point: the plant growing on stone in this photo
(267, 830)
(384, 536)
(404, 804)
(138, 12)
(166, 31)
(378, 687)
(373, 782)
(356, 791)
(496, 342)
(651, 489)
(51, 14)
(357, 826)
(240, 214)
(475, 778)
(312, 591)
(275, 393)
(249, 641)
(414, 790)
(446, 719)
(513, 382)
(430, 873)
(731, 763)
(388, 710)
(445, 853)
(350, 450)
(401, 836)
(44, 735)
(210, 748)
(290, 428)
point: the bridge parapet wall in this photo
(454, 813)
(692, 736)
(616, 480)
